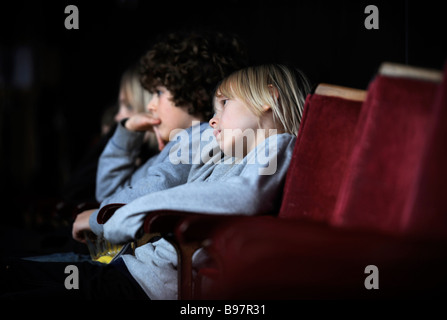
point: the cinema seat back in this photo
(321, 153)
(425, 212)
(385, 163)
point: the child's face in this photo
(171, 116)
(125, 110)
(234, 126)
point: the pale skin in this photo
(231, 114)
(125, 109)
(163, 116)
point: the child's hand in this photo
(81, 224)
(161, 143)
(141, 122)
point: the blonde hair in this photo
(282, 88)
(131, 85)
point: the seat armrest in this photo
(163, 221)
(200, 227)
(107, 211)
(187, 226)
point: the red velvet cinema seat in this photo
(390, 213)
(321, 153)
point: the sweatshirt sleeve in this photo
(172, 168)
(249, 192)
(117, 162)
(160, 176)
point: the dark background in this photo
(55, 83)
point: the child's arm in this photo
(247, 192)
(117, 162)
(164, 173)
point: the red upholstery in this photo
(271, 258)
(392, 132)
(426, 211)
(320, 157)
(391, 203)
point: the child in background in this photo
(132, 99)
(264, 102)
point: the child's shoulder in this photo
(281, 140)
(282, 143)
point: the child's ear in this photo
(266, 107)
(274, 91)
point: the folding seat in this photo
(321, 153)
(391, 137)
(426, 211)
(390, 212)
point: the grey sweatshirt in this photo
(118, 177)
(220, 185)
(120, 181)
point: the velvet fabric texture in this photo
(270, 258)
(425, 213)
(320, 157)
(390, 138)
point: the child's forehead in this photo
(220, 92)
(220, 96)
(226, 88)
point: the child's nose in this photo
(152, 105)
(213, 122)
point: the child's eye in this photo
(224, 101)
(158, 91)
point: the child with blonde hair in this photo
(265, 99)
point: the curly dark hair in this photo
(191, 65)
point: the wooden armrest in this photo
(107, 211)
(399, 70)
(331, 90)
(201, 227)
(162, 221)
(186, 226)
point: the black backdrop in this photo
(55, 83)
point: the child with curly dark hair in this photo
(190, 67)
(184, 69)
(181, 72)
